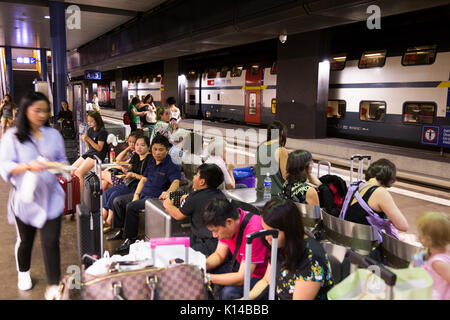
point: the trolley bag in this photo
(89, 232)
(273, 261)
(92, 192)
(72, 190)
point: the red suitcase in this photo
(72, 190)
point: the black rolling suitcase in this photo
(92, 192)
(89, 216)
(90, 232)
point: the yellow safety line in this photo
(444, 84)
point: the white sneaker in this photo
(52, 293)
(24, 281)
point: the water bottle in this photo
(112, 155)
(267, 187)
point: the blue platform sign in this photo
(436, 136)
(430, 135)
(444, 138)
(92, 75)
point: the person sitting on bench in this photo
(160, 177)
(231, 225)
(208, 178)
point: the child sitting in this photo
(434, 233)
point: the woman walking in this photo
(23, 154)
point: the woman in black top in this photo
(95, 138)
(380, 176)
(303, 267)
(65, 113)
(130, 180)
(8, 112)
(299, 169)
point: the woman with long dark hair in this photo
(134, 112)
(299, 169)
(271, 158)
(36, 199)
(304, 268)
(8, 111)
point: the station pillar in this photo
(43, 62)
(171, 80)
(9, 72)
(121, 91)
(58, 47)
(302, 85)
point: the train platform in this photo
(423, 167)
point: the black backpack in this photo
(68, 129)
(332, 193)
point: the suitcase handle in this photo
(273, 261)
(388, 276)
(327, 163)
(260, 234)
(169, 242)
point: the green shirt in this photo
(133, 118)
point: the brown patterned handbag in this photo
(176, 282)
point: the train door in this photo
(253, 79)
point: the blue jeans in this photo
(110, 194)
(232, 292)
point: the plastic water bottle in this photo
(267, 187)
(112, 155)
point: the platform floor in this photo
(8, 275)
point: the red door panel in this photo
(253, 96)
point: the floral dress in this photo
(314, 267)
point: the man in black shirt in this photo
(206, 181)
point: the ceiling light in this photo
(373, 55)
(47, 17)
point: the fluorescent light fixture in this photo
(339, 58)
(372, 55)
(46, 17)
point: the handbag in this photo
(175, 282)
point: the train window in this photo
(273, 70)
(336, 109)
(191, 75)
(236, 71)
(254, 70)
(158, 78)
(212, 73)
(223, 72)
(192, 99)
(372, 111)
(419, 56)
(252, 103)
(338, 62)
(372, 59)
(419, 112)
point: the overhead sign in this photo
(92, 75)
(26, 60)
(436, 136)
